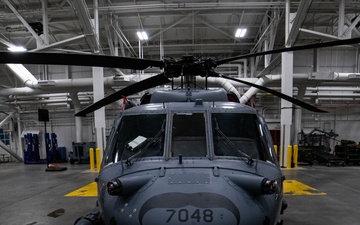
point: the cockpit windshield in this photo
(235, 135)
(188, 135)
(239, 135)
(138, 136)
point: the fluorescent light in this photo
(22, 72)
(17, 49)
(240, 32)
(142, 35)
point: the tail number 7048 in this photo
(184, 215)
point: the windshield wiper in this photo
(232, 145)
(146, 147)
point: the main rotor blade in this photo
(129, 90)
(78, 60)
(278, 94)
(295, 48)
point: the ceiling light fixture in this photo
(142, 35)
(21, 72)
(240, 32)
(17, 49)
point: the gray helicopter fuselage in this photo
(190, 163)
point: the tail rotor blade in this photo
(154, 81)
(278, 94)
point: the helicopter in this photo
(185, 155)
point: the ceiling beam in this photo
(232, 37)
(59, 43)
(86, 24)
(300, 17)
(171, 26)
(34, 34)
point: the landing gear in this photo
(284, 206)
(93, 218)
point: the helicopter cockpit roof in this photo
(182, 95)
(191, 129)
(197, 105)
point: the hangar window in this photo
(4, 137)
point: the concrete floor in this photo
(29, 194)
(340, 205)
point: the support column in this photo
(19, 129)
(341, 18)
(78, 119)
(98, 87)
(286, 107)
(298, 115)
(286, 88)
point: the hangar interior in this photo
(327, 78)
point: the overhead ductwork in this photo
(85, 84)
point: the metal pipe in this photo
(45, 101)
(338, 99)
(333, 89)
(39, 96)
(318, 94)
(111, 91)
(228, 85)
(252, 91)
(70, 84)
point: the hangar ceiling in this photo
(175, 28)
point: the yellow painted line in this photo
(293, 187)
(89, 190)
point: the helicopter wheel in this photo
(281, 222)
(93, 218)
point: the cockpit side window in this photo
(188, 135)
(138, 136)
(239, 135)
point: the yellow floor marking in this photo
(293, 187)
(89, 190)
